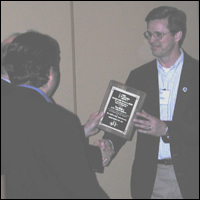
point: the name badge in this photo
(164, 96)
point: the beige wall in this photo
(50, 17)
(99, 41)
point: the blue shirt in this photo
(5, 79)
(168, 80)
(38, 90)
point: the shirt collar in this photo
(176, 66)
(38, 90)
(5, 79)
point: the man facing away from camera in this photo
(6, 87)
(44, 149)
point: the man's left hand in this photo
(90, 126)
(150, 125)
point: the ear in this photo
(51, 71)
(178, 36)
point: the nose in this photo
(152, 39)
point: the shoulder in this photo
(191, 62)
(31, 106)
(139, 75)
(189, 58)
(144, 68)
(191, 67)
(63, 113)
(6, 88)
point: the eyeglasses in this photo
(157, 35)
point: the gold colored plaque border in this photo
(124, 89)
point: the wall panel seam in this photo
(73, 56)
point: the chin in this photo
(157, 53)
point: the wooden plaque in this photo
(120, 105)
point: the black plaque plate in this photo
(120, 105)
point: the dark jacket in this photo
(183, 130)
(6, 88)
(43, 150)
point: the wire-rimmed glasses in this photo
(157, 35)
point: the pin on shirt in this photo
(185, 89)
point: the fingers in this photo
(143, 124)
(97, 143)
(105, 162)
(97, 116)
(146, 127)
(102, 144)
(151, 125)
(101, 114)
(95, 131)
(144, 131)
(144, 115)
(94, 118)
(106, 158)
(90, 126)
(105, 144)
(147, 123)
(106, 150)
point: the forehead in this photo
(157, 25)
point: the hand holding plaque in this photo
(120, 105)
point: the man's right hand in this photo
(106, 150)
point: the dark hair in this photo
(4, 47)
(29, 58)
(176, 19)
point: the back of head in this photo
(29, 58)
(176, 19)
(4, 46)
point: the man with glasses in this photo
(166, 161)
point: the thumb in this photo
(97, 143)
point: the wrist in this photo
(86, 131)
